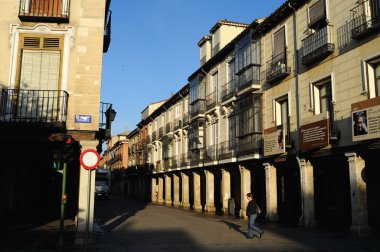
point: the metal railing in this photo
(160, 132)
(250, 144)
(177, 123)
(317, 45)
(184, 159)
(185, 119)
(211, 100)
(168, 127)
(33, 106)
(228, 90)
(154, 136)
(227, 149)
(44, 11)
(277, 67)
(198, 107)
(175, 161)
(211, 153)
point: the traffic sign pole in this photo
(88, 207)
(63, 203)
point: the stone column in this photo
(83, 210)
(307, 192)
(168, 190)
(153, 193)
(245, 187)
(210, 205)
(226, 190)
(176, 202)
(185, 190)
(358, 187)
(160, 199)
(197, 191)
(271, 192)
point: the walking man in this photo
(252, 211)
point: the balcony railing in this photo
(198, 107)
(228, 90)
(161, 132)
(177, 123)
(107, 32)
(167, 163)
(365, 17)
(175, 161)
(249, 76)
(250, 144)
(318, 45)
(47, 107)
(211, 100)
(56, 11)
(158, 165)
(277, 68)
(195, 158)
(227, 149)
(184, 159)
(211, 153)
(154, 136)
(185, 119)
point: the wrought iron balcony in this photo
(106, 117)
(154, 136)
(365, 18)
(177, 123)
(42, 107)
(277, 68)
(168, 127)
(228, 90)
(107, 31)
(161, 132)
(184, 159)
(317, 46)
(250, 144)
(227, 149)
(211, 153)
(175, 161)
(198, 107)
(211, 100)
(53, 11)
(196, 157)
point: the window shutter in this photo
(31, 42)
(279, 42)
(317, 13)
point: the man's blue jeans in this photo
(251, 226)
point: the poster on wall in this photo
(366, 119)
(314, 132)
(274, 141)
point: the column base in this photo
(168, 203)
(176, 203)
(361, 230)
(160, 202)
(198, 208)
(210, 209)
(186, 205)
(225, 211)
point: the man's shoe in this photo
(261, 234)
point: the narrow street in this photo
(130, 225)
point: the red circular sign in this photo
(89, 159)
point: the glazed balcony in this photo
(277, 68)
(107, 31)
(317, 46)
(248, 77)
(197, 107)
(33, 107)
(365, 19)
(48, 11)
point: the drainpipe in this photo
(296, 77)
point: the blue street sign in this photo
(82, 119)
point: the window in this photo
(282, 111)
(243, 54)
(230, 71)
(279, 42)
(323, 97)
(317, 14)
(372, 77)
(248, 120)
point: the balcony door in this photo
(45, 7)
(38, 93)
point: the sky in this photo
(154, 48)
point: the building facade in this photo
(50, 82)
(285, 107)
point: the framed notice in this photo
(274, 141)
(366, 119)
(315, 132)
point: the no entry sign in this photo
(89, 159)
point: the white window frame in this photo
(368, 74)
(277, 107)
(314, 91)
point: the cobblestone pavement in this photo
(131, 225)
